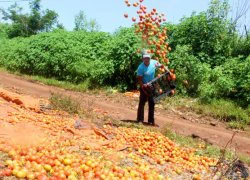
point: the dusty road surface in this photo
(124, 108)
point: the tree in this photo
(241, 10)
(60, 26)
(82, 23)
(3, 30)
(210, 33)
(93, 26)
(30, 23)
(218, 9)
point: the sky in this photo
(109, 13)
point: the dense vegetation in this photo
(210, 57)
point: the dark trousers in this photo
(140, 113)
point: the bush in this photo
(242, 46)
(239, 71)
(96, 72)
(231, 112)
(217, 85)
(103, 59)
(125, 59)
(229, 80)
(62, 55)
(189, 68)
(3, 31)
(76, 56)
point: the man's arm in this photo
(139, 79)
(140, 76)
(142, 86)
(159, 65)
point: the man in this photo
(146, 73)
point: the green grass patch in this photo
(245, 159)
(3, 157)
(225, 110)
(82, 87)
(203, 148)
(181, 140)
(65, 103)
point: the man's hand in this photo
(145, 85)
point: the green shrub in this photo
(103, 59)
(125, 59)
(62, 55)
(188, 67)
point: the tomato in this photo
(47, 167)
(53, 178)
(42, 177)
(67, 161)
(2, 173)
(31, 175)
(21, 174)
(62, 175)
(7, 172)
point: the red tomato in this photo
(7, 172)
(42, 177)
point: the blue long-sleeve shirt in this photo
(148, 72)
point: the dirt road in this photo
(124, 108)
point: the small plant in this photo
(65, 103)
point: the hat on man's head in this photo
(146, 56)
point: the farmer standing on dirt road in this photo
(146, 73)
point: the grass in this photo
(82, 87)
(225, 110)
(65, 103)
(181, 140)
(72, 106)
(3, 157)
(203, 148)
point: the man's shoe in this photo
(140, 123)
(151, 123)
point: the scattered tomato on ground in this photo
(46, 145)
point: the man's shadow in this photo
(130, 121)
(136, 122)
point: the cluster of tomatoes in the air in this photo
(153, 35)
